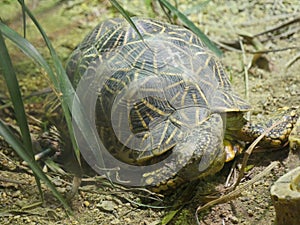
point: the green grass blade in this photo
(169, 216)
(19, 148)
(69, 99)
(23, 18)
(61, 83)
(24, 150)
(126, 16)
(26, 47)
(15, 94)
(192, 27)
(31, 51)
(17, 102)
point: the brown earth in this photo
(270, 35)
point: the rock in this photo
(285, 195)
(107, 205)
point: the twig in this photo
(226, 46)
(293, 20)
(250, 149)
(289, 32)
(294, 59)
(233, 194)
(8, 180)
(269, 18)
(232, 170)
(273, 50)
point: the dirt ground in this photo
(269, 34)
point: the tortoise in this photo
(163, 105)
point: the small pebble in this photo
(86, 203)
(16, 194)
(234, 220)
(107, 205)
(128, 220)
(250, 212)
(115, 221)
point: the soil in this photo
(269, 34)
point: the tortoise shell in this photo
(161, 96)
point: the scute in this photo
(153, 94)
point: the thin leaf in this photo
(126, 16)
(21, 151)
(24, 151)
(169, 216)
(16, 98)
(23, 18)
(29, 50)
(192, 27)
(15, 94)
(71, 101)
(61, 83)
(25, 46)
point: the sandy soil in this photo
(270, 43)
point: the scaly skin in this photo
(241, 130)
